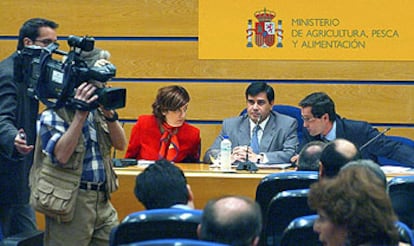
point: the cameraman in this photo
(68, 135)
(18, 115)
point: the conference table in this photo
(205, 182)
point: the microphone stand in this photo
(248, 165)
(374, 138)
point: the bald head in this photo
(335, 155)
(234, 220)
(346, 148)
(230, 207)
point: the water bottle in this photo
(225, 154)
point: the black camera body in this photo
(53, 82)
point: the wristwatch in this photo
(113, 118)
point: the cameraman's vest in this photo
(75, 163)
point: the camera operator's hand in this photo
(85, 92)
(21, 144)
(66, 145)
(101, 62)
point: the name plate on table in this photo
(124, 162)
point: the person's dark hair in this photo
(309, 159)
(356, 200)
(321, 104)
(30, 29)
(169, 98)
(237, 227)
(371, 166)
(333, 159)
(258, 87)
(161, 185)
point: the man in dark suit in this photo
(322, 123)
(18, 115)
(276, 135)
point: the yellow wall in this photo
(154, 43)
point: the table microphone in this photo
(249, 165)
(374, 138)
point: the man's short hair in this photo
(161, 185)
(233, 220)
(30, 29)
(258, 87)
(309, 156)
(321, 104)
(336, 154)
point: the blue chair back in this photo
(156, 224)
(401, 193)
(291, 111)
(300, 232)
(406, 234)
(175, 242)
(385, 161)
(284, 208)
(274, 183)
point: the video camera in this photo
(53, 82)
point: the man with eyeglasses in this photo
(18, 115)
(322, 123)
(276, 134)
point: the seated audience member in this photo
(163, 185)
(322, 123)
(274, 141)
(335, 155)
(309, 156)
(354, 209)
(233, 220)
(165, 134)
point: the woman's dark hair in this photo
(357, 200)
(169, 98)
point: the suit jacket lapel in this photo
(244, 132)
(339, 127)
(268, 133)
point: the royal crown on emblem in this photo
(264, 15)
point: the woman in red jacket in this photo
(165, 134)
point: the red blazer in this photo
(144, 142)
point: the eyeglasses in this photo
(45, 42)
(306, 119)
